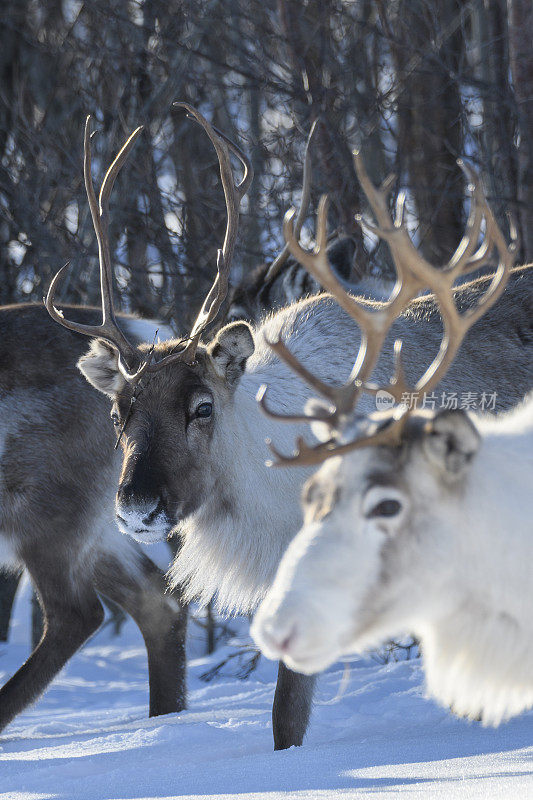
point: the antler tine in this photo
(412, 268)
(461, 262)
(376, 197)
(280, 260)
(339, 396)
(248, 173)
(307, 455)
(316, 262)
(108, 329)
(480, 256)
(101, 218)
(304, 456)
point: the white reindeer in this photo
(433, 537)
(417, 523)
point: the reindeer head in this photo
(169, 399)
(390, 482)
(356, 573)
(169, 423)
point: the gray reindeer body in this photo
(58, 472)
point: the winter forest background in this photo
(417, 83)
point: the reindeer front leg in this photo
(72, 613)
(138, 586)
(292, 707)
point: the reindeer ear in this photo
(230, 349)
(451, 441)
(100, 367)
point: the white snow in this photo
(377, 736)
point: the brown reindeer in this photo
(58, 468)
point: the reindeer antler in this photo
(109, 329)
(233, 192)
(414, 274)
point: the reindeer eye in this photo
(204, 410)
(115, 418)
(387, 508)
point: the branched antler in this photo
(413, 275)
(233, 192)
(108, 329)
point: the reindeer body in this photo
(58, 471)
(452, 565)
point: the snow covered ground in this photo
(372, 736)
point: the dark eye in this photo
(204, 410)
(115, 418)
(387, 508)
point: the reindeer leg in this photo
(72, 612)
(292, 707)
(138, 586)
(9, 582)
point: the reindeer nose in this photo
(128, 492)
(155, 512)
(149, 504)
(141, 509)
(274, 635)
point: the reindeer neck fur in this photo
(231, 549)
(497, 551)
(232, 545)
